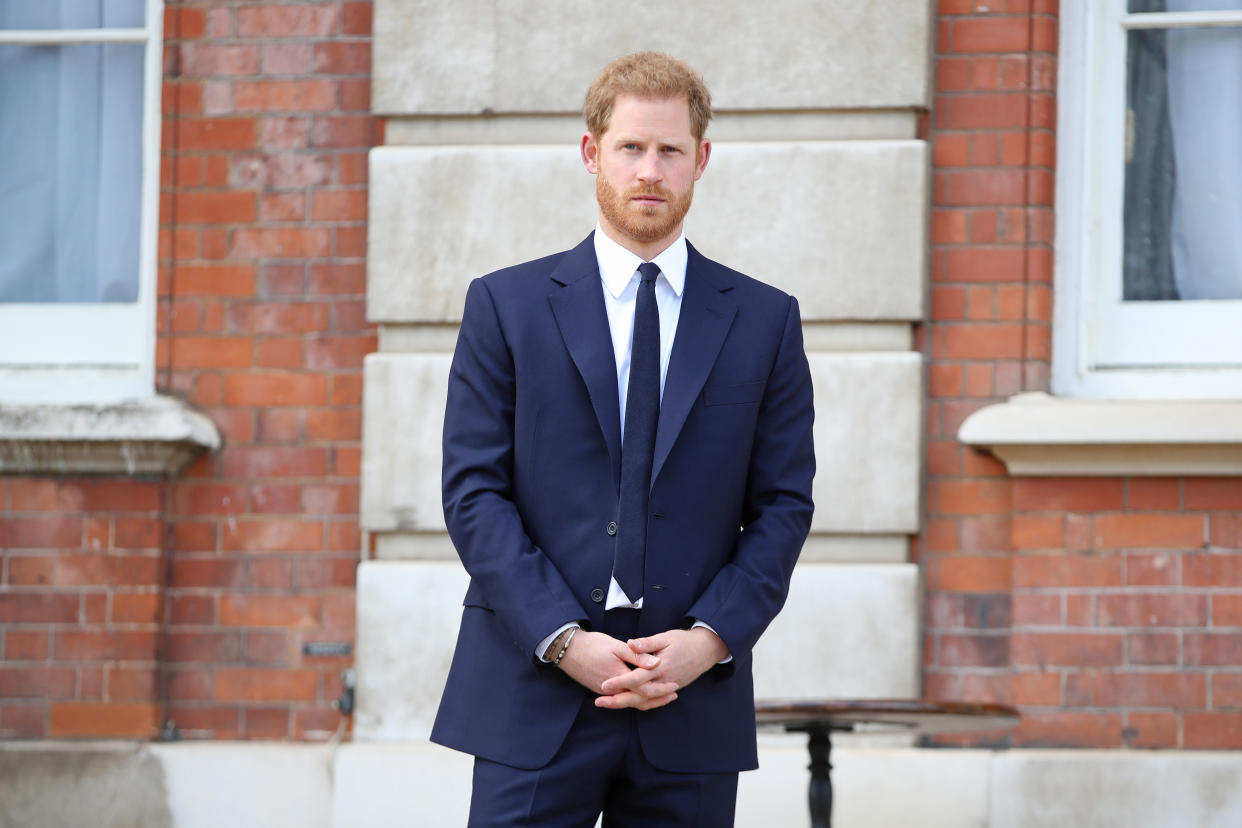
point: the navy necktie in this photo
(642, 413)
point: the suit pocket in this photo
(740, 394)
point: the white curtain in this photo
(70, 156)
(1204, 79)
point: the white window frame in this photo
(87, 352)
(1103, 347)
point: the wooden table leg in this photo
(819, 743)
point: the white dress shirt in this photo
(618, 271)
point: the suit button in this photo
(597, 595)
(612, 527)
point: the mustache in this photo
(654, 192)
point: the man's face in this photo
(645, 166)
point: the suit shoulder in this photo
(752, 289)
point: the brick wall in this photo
(131, 604)
(1109, 610)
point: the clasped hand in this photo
(643, 673)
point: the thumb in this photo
(647, 645)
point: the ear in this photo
(590, 153)
(705, 151)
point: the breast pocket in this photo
(737, 394)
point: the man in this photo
(627, 479)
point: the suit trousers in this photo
(601, 768)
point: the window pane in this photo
(1183, 191)
(1140, 6)
(72, 14)
(70, 186)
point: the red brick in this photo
(209, 498)
(282, 207)
(1036, 609)
(266, 722)
(343, 58)
(985, 533)
(281, 280)
(1226, 610)
(1214, 493)
(351, 242)
(191, 609)
(269, 574)
(339, 499)
(324, 573)
(1038, 532)
(182, 22)
(214, 134)
(105, 645)
(235, 207)
(1159, 569)
(978, 341)
(290, 20)
(37, 608)
(1066, 649)
(194, 536)
(96, 719)
(279, 318)
(270, 498)
(1227, 690)
(1113, 531)
(347, 461)
(136, 607)
(275, 461)
(84, 570)
(277, 352)
(199, 59)
(1150, 730)
(206, 572)
(280, 425)
(356, 18)
(346, 390)
(1152, 610)
(339, 205)
(40, 532)
(1225, 530)
(132, 683)
(1213, 649)
(991, 34)
(26, 645)
(206, 722)
(975, 650)
(213, 280)
(39, 682)
(285, 611)
(1001, 110)
(258, 684)
(24, 721)
(275, 389)
(352, 167)
(1212, 570)
(1050, 494)
(973, 574)
(1040, 728)
(966, 497)
(272, 536)
(981, 187)
(338, 352)
(287, 58)
(1067, 570)
(214, 647)
(1167, 689)
(339, 611)
(1211, 730)
(315, 725)
(269, 648)
(280, 243)
(315, 95)
(1080, 610)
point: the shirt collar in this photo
(617, 266)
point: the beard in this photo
(642, 224)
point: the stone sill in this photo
(152, 436)
(1038, 434)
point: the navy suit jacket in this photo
(532, 461)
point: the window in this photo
(79, 134)
(1149, 200)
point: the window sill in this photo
(152, 436)
(1038, 434)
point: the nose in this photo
(649, 167)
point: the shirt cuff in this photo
(542, 647)
(725, 660)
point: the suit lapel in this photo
(706, 315)
(578, 305)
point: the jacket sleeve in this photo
(750, 590)
(515, 578)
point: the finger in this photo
(629, 681)
(632, 699)
(643, 660)
(650, 644)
